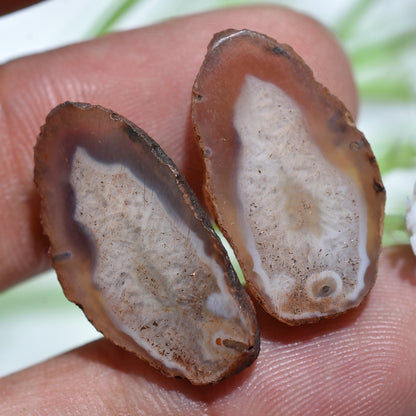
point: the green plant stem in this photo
(111, 17)
(346, 25)
(395, 230)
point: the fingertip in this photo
(314, 42)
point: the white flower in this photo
(411, 219)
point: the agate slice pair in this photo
(290, 181)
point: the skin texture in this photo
(363, 362)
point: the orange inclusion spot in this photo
(218, 341)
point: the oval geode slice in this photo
(132, 247)
(291, 182)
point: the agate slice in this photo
(133, 248)
(291, 182)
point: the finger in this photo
(147, 76)
(362, 363)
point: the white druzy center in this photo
(302, 217)
(158, 283)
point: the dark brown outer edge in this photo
(349, 138)
(190, 199)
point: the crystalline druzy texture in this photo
(133, 248)
(292, 183)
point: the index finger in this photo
(147, 76)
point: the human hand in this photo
(361, 363)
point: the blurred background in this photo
(36, 320)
